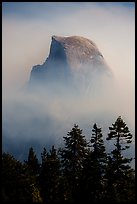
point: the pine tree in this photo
(98, 148)
(50, 176)
(119, 170)
(94, 168)
(72, 157)
(32, 161)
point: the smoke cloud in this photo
(37, 119)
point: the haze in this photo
(26, 36)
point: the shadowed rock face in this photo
(72, 60)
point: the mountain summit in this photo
(79, 51)
(76, 58)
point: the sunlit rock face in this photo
(73, 61)
(79, 51)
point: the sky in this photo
(27, 28)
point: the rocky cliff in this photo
(72, 60)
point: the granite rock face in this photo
(72, 60)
